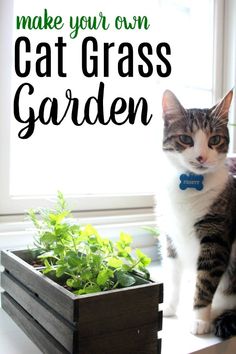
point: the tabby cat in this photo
(199, 203)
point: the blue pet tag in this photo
(191, 181)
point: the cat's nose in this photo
(201, 159)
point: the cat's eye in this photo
(214, 140)
(186, 139)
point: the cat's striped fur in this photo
(201, 225)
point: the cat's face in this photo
(195, 140)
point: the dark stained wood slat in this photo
(45, 342)
(141, 340)
(114, 310)
(54, 324)
(53, 294)
(122, 321)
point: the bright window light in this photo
(97, 159)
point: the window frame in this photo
(229, 62)
(13, 205)
(86, 203)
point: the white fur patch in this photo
(179, 210)
(201, 327)
(172, 275)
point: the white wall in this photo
(229, 58)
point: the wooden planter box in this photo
(121, 321)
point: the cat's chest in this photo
(181, 210)
(186, 206)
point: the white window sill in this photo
(175, 334)
(176, 337)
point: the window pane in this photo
(108, 159)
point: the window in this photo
(100, 167)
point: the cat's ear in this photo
(172, 108)
(221, 109)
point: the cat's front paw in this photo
(201, 327)
(169, 311)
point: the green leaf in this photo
(61, 203)
(103, 276)
(152, 230)
(115, 262)
(74, 262)
(124, 279)
(125, 238)
(73, 259)
(61, 271)
(86, 274)
(57, 218)
(96, 260)
(75, 229)
(144, 260)
(126, 268)
(59, 249)
(88, 290)
(49, 254)
(61, 229)
(48, 267)
(47, 270)
(89, 230)
(144, 272)
(94, 288)
(94, 248)
(79, 292)
(124, 252)
(48, 237)
(73, 283)
(33, 217)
